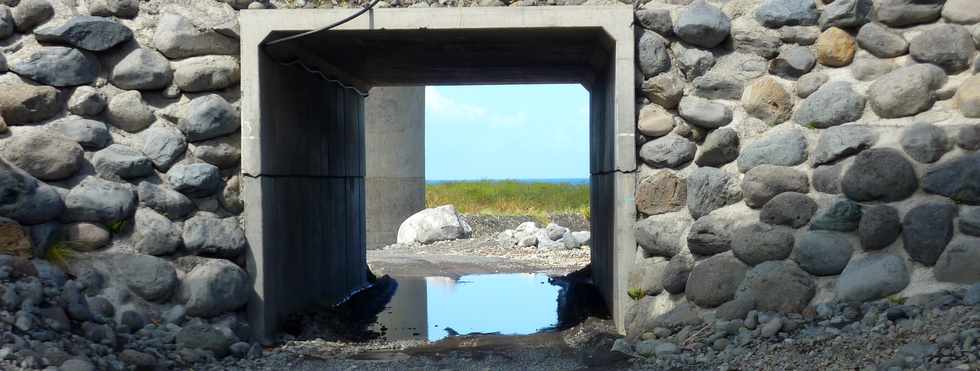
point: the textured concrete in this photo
(394, 125)
(413, 47)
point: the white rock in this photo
(430, 225)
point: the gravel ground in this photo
(489, 225)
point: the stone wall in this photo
(795, 153)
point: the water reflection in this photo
(433, 308)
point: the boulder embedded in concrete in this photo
(793, 62)
(779, 13)
(782, 146)
(843, 215)
(664, 90)
(142, 69)
(719, 148)
(830, 105)
(902, 13)
(676, 273)
(205, 234)
(959, 262)
(7, 25)
(767, 100)
(692, 62)
(879, 227)
(31, 13)
(906, 91)
(97, 200)
(118, 8)
(207, 117)
(764, 182)
(215, 287)
(655, 121)
(669, 151)
(702, 25)
(652, 54)
(206, 73)
(881, 41)
(121, 162)
(867, 68)
(661, 193)
(662, 235)
(441, 223)
(810, 83)
(129, 112)
(759, 242)
(204, 337)
(44, 154)
(223, 152)
(835, 48)
(712, 233)
(961, 11)
(714, 280)
(958, 179)
(150, 277)
(231, 200)
(15, 239)
(826, 178)
(967, 98)
(164, 146)
(790, 209)
(23, 103)
(704, 113)
(195, 180)
(838, 142)
(710, 188)
(656, 19)
(823, 253)
(27, 200)
(968, 137)
(85, 236)
(880, 174)
(872, 277)
(751, 38)
(778, 286)
(717, 85)
(177, 37)
(164, 200)
(647, 275)
(846, 14)
(90, 134)
(57, 66)
(945, 45)
(927, 229)
(86, 32)
(155, 234)
(924, 142)
(86, 101)
(970, 221)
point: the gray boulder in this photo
(759, 242)
(676, 274)
(779, 13)
(822, 253)
(714, 280)
(692, 62)
(867, 68)
(879, 227)
(434, 224)
(800, 35)
(665, 90)
(704, 113)
(121, 162)
(927, 229)
(177, 37)
(56, 66)
(656, 19)
(669, 151)
(90, 134)
(129, 112)
(782, 146)
(751, 38)
(832, 104)
(652, 54)
(31, 13)
(86, 101)
(215, 287)
(702, 25)
(872, 277)
(879, 174)
(719, 148)
(195, 180)
(968, 137)
(205, 234)
(662, 235)
(97, 200)
(142, 69)
(711, 234)
(778, 286)
(207, 117)
(25, 199)
(647, 275)
(970, 222)
(166, 201)
(846, 14)
(843, 216)
(881, 41)
(906, 91)
(924, 142)
(202, 336)
(790, 209)
(838, 142)
(810, 83)
(710, 188)
(206, 73)
(223, 152)
(7, 25)
(150, 277)
(826, 178)
(164, 146)
(155, 234)
(961, 11)
(44, 154)
(957, 179)
(86, 32)
(661, 193)
(764, 182)
(85, 236)
(716, 85)
(948, 46)
(23, 103)
(901, 13)
(959, 262)
(793, 62)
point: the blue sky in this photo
(506, 132)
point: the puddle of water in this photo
(433, 308)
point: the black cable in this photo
(327, 27)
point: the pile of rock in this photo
(139, 316)
(550, 237)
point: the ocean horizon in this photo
(572, 181)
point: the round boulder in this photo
(662, 235)
(790, 209)
(150, 277)
(872, 277)
(927, 229)
(702, 25)
(879, 174)
(785, 145)
(670, 151)
(676, 273)
(764, 182)
(714, 280)
(661, 193)
(879, 227)
(43, 154)
(778, 286)
(214, 236)
(906, 91)
(759, 242)
(215, 287)
(195, 180)
(97, 200)
(945, 45)
(958, 179)
(823, 253)
(711, 188)
(924, 142)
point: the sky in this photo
(506, 132)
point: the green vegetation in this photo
(59, 254)
(506, 197)
(636, 293)
(116, 226)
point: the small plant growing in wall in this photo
(60, 254)
(636, 293)
(116, 227)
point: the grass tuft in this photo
(60, 254)
(508, 197)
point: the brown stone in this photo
(835, 48)
(655, 121)
(768, 101)
(23, 103)
(968, 97)
(662, 193)
(3, 125)
(85, 236)
(14, 239)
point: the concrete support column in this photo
(394, 159)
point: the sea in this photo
(572, 181)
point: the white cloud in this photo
(440, 105)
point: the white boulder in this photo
(442, 223)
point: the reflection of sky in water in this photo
(511, 304)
